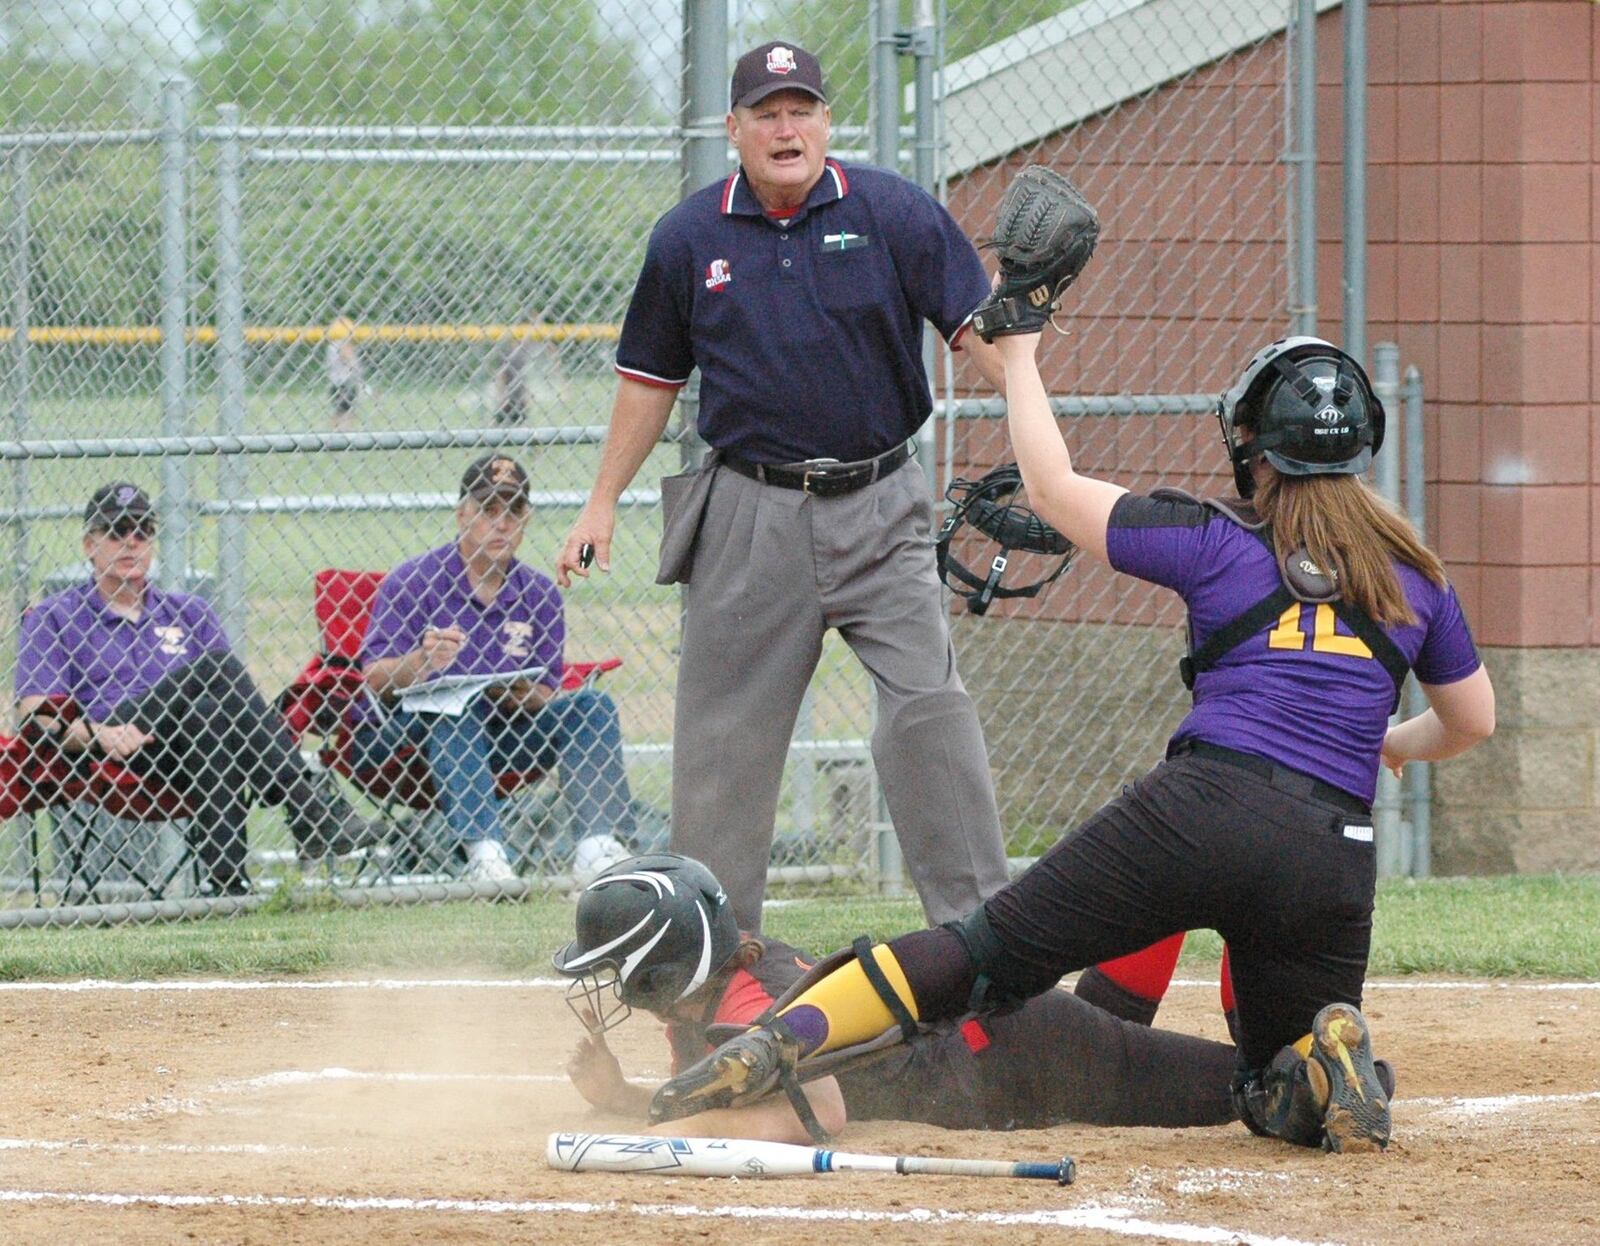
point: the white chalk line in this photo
(1462, 1106)
(1496, 1104)
(1088, 1216)
(195, 1105)
(158, 1148)
(304, 1077)
(87, 985)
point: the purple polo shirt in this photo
(73, 643)
(807, 330)
(524, 626)
(1304, 693)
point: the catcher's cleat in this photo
(1357, 1116)
(740, 1071)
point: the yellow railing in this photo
(290, 335)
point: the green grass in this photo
(1491, 927)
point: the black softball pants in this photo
(218, 742)
(1196, 843)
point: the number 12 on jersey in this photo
(1290, 634)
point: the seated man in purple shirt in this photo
(159, 691)
(470, 608)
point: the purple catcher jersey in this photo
(1303, 691)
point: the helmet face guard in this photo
(595, 998)
(989, 505)
(1310, 407)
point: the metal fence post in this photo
(174, 504)
(884, 93)
(883, 128)
(232, 487)
(1417, 781)
(1392, 846)
(921, 45)
(1303, 264)
(1355, 178)
(21, 318)
(705, 144)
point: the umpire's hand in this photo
(589, 542)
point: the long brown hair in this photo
(1344, 525)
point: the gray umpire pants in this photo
(773, 569)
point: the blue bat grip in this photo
(1064, 1173)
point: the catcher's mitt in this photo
(1044, 236)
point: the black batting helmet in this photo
(652, 930)
(990, 505)
(1311, 410)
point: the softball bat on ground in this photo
(737, 1157)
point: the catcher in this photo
(657, 933)
(1308, 603)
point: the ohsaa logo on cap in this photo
(718, 274)
(780, 60)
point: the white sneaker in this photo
(487, 863)
(594, 856)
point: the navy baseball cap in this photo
(115, 502)
(775, 66)
(495, 476)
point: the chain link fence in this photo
(286, 267)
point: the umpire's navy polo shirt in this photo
(807, 329)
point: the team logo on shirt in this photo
(718, 274)
(170, 641)
(518, 639)
(781, 61)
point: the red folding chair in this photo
(318, 703)
(79, 795)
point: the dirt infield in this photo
(400, 1113)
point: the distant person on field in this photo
(344, 373)
(508, 394)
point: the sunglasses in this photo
(124, 529)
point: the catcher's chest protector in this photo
(1301, 581)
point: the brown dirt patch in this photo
(308, 1108)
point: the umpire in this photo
(799, 286)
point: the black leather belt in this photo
(1284, 778)
(823, 478)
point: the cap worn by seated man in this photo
(495, 476)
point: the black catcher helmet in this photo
(990, 506)
(651, 930)
(1311, 408)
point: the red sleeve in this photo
(743, 1001)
